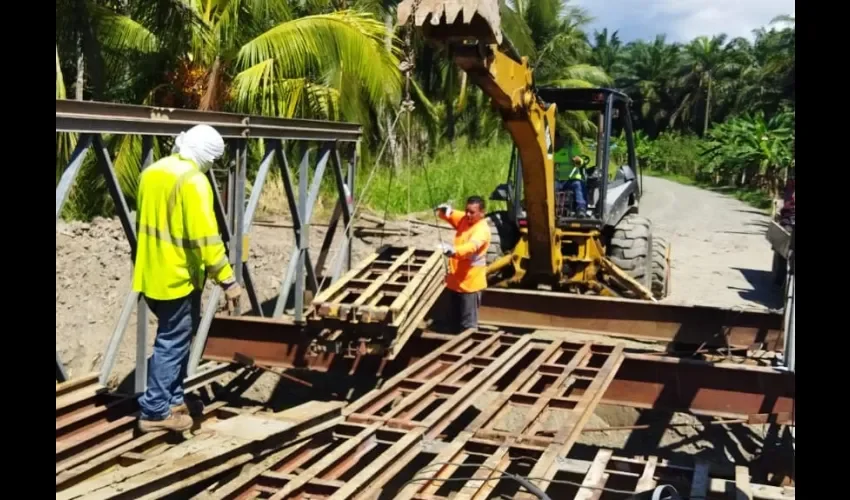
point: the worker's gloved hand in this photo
(445, 209)
(446, 249)
(232, 294)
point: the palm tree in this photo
(707, 61)
(607, 52)
(256, 56)
(649, 72)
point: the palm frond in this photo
(121, 33)
(313, 45)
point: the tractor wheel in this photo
(503, 235)
(660, 269)
(631, 248)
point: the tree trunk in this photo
(450, 103)
(81, 71)
(392, 142)
(707, 107)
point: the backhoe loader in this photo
(539, 241)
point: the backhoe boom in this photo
(509, 83)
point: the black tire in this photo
(503, 235)
(630, 248)
(660, 269)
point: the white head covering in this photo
(201, 144)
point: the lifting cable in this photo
(407, 107)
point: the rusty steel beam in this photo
(281, 343)
(695, 325)
(722, 390)
(643, 381)
(269, 342)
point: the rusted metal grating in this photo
(626, 476)
(481, 396)
(385, 297)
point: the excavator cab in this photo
(610, 192)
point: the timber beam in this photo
(672, 323)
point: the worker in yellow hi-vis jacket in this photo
(179, 245)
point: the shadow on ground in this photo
(763, 291)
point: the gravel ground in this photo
(719, 253)
(719, 257)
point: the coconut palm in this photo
(649, 69)
(707, 63)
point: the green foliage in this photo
(751, 150)
(714, 111)
(451, 175)
(670, 153)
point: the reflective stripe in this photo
(218, 266)
(185, 243)
(478, 261)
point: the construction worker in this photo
(570, 172)
(467, 273)
(179, 244)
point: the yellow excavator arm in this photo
(473, 30)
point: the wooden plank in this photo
(92, 458)
(78, 396)
(223, 445)
(647, 479)
(72, 385)
(742, 483)
(594, 481)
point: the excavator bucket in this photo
(454, 20)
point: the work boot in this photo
(177, 422)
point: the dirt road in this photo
(720, 257)
(718, 249)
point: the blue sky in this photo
(683, 20)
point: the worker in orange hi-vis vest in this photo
(467, 273)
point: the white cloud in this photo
(683, 20)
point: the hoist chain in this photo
(406, 66)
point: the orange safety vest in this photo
(468, 266)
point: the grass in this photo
(753, 197)
(451, 176)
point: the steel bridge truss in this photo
(329, 140)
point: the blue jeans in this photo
(577, 187)
(178, 321)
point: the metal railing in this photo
(92, 119)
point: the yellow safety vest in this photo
(178, 236)
(564, 167)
